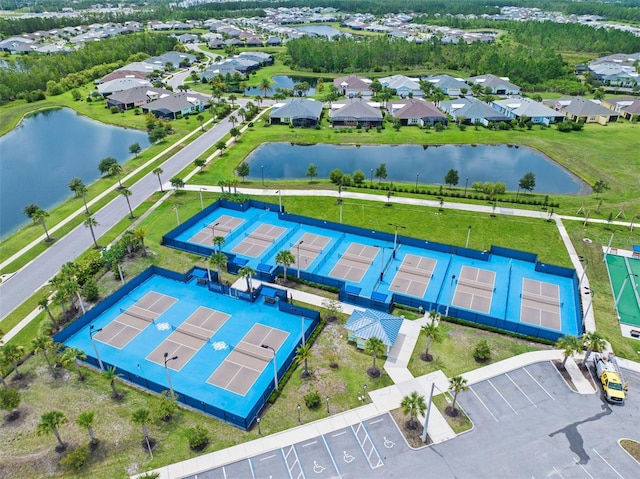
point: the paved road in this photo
(31, 277)
(527, 423)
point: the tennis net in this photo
(476, 284)
(139, 313)
(254, 351)
(201, 337)
(258, 236)
(356, 258)
(310, 247)
(541, 299)
(415, 271)
(413, 275)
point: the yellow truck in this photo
(610, 376)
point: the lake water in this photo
(322, 30)
(493, 163)
(283, 81)
(42, 154)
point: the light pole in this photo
(371, 177)
(201, 201)
(340, 204)
(518, 193)
(258, 421)
(262, 169)
(364, 395)
(95, 348)
(213, 229)
(299, 257)
(466, 182)
(468, 234)
(275, 367)
(584, 271)
(453, 278)
(302, 329)
(417, 176)
(279, 201)
(381, 248)
(327, 399)
(298, 406)
(166, 370)
(395, 237)
(426, 418)
(624, 283)
(592, 293)
(177, 214)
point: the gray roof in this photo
(415, 108)
(528, 107)
(493, 81)
(297, 108)
(121, 84)
(446, 82)
(471, 107)
(141, 93)
(175, 103)
(356, 110)
(400, 81)
(175, 58)
(580, 106)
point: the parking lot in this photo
(527, 423)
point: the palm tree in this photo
(85, 421)
(126, 193)
(44, 305)
(457, 384)
(247, 272)
(111, 375)
(432, 331)
(375, 347)
(141, 418)
(91, 223)
(43, 344)
(413, 405)
(76, 185)
(242, 113)
(70, 356)
(593, 341)
(285, 258)
(139, 234)
(233, 120)
(303, 353)
(83, 193)
(218, 241)
(265, 87)
(116, 169)
(219, 260)
(49, 423)
(40, 216)
(200, 118)
(158, 171)
(10, 354)
(232, 99)
(570, 345)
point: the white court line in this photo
(503, 398)
(558, 472)
(310, 443)
(541, 387)
(482, 402)
(605, 461)
(583, 468)
(519, 389)
(331, 456)
(268, 457)
(338, 434)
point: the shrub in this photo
(499, 188)
(358, 177)
(75, 459)
(312, 400)
(198, 437)
(335, 176)
(114, 109)
(346, 179)
(91, 292)
(482, 351)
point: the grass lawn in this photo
(454, 354)
(461, 422)
(632, 447)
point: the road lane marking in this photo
(541, 386)
(605, 461)
(482, 402)
(500, 394)
(519, 389)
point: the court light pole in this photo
(624, 283)
(258, 421)
(327, 399)
(468, 234)
(423, 438)
(166, 370)
(466, 182)
(395, 237)
(298, 245)
(213, 229)
(584, 271)
(453, 278)
(591, 294)
(364, 395)
(279, 201)
(201, 201)
(93, 331)
(417, 176)
(275, 367)
(371, 177)
(299, 420)
(302, 329)
(177, 214)
(262, 169)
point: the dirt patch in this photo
(426, 357)
(374, 373)
(412, 436)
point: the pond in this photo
(426, 163)
(283, 82)
(322, 30)
(45, 151)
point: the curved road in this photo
(31, 277)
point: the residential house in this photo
(121, 84)
(517, 108)
(259, 57)
(147, 68)
(188, 38)
(586, 111)
(176, 59)
(627, 106)
(274, 41)
(470, 110)
(176, 105)
(299, 112)
(353, 86)
(355, 112)
(416, 111)
(449, 85)
(140, 75)
(405, 87)
(497, 85)
(616, 75)
(367, 324)
(135, 97)
(215, 43)
(254, 41)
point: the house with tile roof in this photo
(404, 86)
(299, 112)
(353, 86)
(114, 75)
(416, 111)
(370, 323)
(497, 85)
(176, 105)
(586, 111)
(517, 108)
(353, 113)
(472, 111)
(627, 106)
(135, 97)
(449, 85)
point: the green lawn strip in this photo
(18, 314)
(632, 447)
(606, 319)
(461, 422)
(454, 354)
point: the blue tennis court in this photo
(503, 288)
(213, 343)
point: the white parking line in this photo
(253, 474)
(503, 398)
(482, 402)
(583, 468)
(338, 434)
(224, 473)
(558, 472)
(519, 389)
(331, 456)
(310, 443)
(541, 386)
(268, 457)
(376, 421)
(605, 461)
